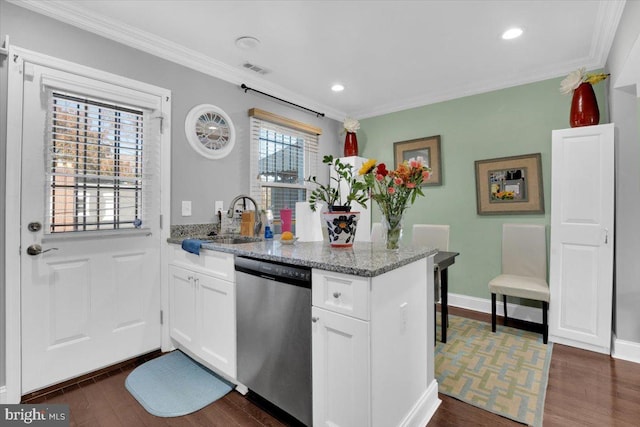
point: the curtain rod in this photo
(246, 88)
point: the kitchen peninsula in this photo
(371, 332)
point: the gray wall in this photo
(194, 178)
(624, 113)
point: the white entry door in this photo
(90, 220)
(582, 221)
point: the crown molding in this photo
(165, 49)
(608, 17)
(477, 88)
(607, 20)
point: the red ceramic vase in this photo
(584, 107)
(350, 145)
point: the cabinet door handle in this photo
(190, 278)
(314, 319)
(336, 294)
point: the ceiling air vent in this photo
(255, 68)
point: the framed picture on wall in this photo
(428, 148)
(509, 185)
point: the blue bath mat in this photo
(173, 385)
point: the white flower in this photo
(572, 81)
(351, 125)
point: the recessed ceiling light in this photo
(512, 33)
(247, 42)
(337, 87)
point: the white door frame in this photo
(15, 61)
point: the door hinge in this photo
(161, 120)
(161, 317)
(160, 222)
(29, 70)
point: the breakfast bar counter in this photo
(364, 259)
(371, 322)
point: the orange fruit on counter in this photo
(287, 235)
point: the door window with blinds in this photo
(281, 158)
(95, 165)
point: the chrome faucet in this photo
(258, 220)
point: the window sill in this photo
(89, 235)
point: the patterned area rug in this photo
(505, 373)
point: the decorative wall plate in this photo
(210, 131)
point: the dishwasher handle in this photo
(275, 271)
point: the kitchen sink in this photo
(227, 239)
(233, 240)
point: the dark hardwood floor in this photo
(585, 389)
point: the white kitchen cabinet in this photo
(202, 309)
(372, 348)
(582, 234)
(340, 370)
(182, 306)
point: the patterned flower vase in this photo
(341, 228)
(392, 226)
(584, 107)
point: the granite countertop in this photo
(363, 259)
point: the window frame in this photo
(81, 185)
(262, 120)
(112, 89)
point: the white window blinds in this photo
(281, 159)
(96, 165)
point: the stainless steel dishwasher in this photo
(274, 333)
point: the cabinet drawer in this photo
(341, 293)
(217, 264)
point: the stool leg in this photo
(493, 312)
(545, 323)
(504, 301)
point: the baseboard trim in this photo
(580, 344)
(424, 408)
(625, 350)
(3, 395)
(621, 349)
(516, 311)
(41, 395)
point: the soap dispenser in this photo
(268, 234)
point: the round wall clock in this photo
(210, 131)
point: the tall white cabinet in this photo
(582, 233)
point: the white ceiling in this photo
(389, 55)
